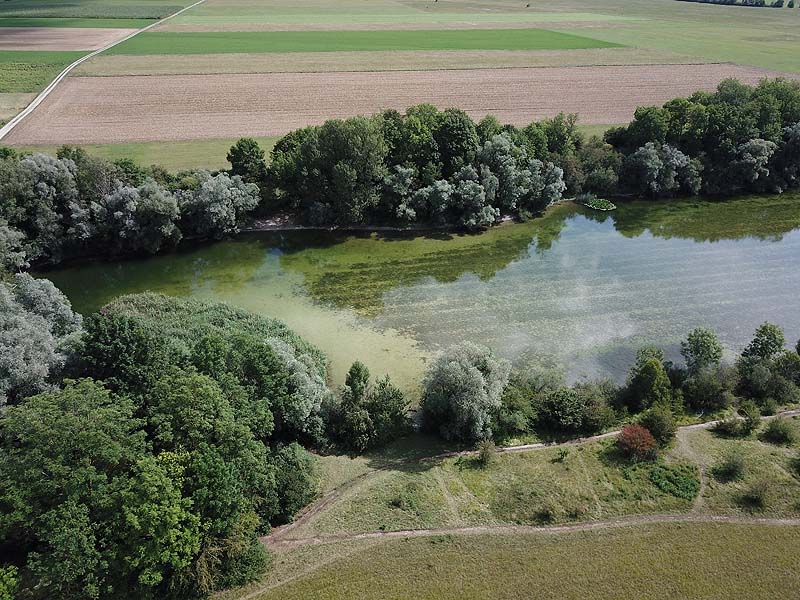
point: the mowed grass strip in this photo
(702, 561)
(354, 41)
(29, 71)
(172, 155)
(75, 22)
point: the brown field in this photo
(123, 109)
(330, 62)
(58, 38)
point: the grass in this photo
(650, 562)
(74, 22)
(173, 155)
(532, 488)
(761, 463)
(29, 71)
(349, 41)
(100, 9)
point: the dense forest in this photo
(426, 167)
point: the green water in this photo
(579, 288)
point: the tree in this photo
(217, 206)
(461, 390)
(457, 140)
(660, 422)
(38, 336)
(701, 350)
(247, 161)
(648, 383)
(767, 341)
(296, 478)
(135, 219)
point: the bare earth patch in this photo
(120, 109)
(58, 38)
(330, 62)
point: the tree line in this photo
(471, 395)
(145, 448)
(425, 167)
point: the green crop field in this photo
(29, 71)
(337, 41)
(108, 9)
(698, 561)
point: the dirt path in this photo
(532, 529)
(278, 538)
(8, 127)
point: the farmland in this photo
(347, 46)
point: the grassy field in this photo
(353, 41)
(173, 156)
(81, 9)
(29, 71)
(698, 561)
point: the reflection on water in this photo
(581, 287)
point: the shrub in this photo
(486, 452)
(751, 416)
(637, 443)
(780, 431)
(730, 427)
(705, 391)
(9, 580)
(731, 468)
(701, 350)
(757, 497)
(660, 422)
(682, 481)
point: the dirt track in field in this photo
(58, 38)
(122, 109)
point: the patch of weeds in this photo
(780, 431)
(681, 481)
(757, 497)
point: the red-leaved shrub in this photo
(637, 443)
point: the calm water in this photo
(578, 288)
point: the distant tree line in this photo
(470, 395)
(753, 3)
(146, 447)
(426, 167)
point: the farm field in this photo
(85, 110)
(347, 46)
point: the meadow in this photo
(29, 71)
(643, 562)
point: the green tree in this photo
(767, 341)
(247, 161)
(648, 383)
(701, 349)
(461, 391)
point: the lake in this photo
(576, 288)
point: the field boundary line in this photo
(8, 127)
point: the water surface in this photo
(578, 288)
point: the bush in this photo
(780, 431)
(730, 427)
(731, 468)
(751, 416)
(660, 422)
(758, 496)
(486, 453)
(705, 391)
(682, 481)
(637, 443)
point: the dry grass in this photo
(121, 109)
(315, 62)
(12, 103)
